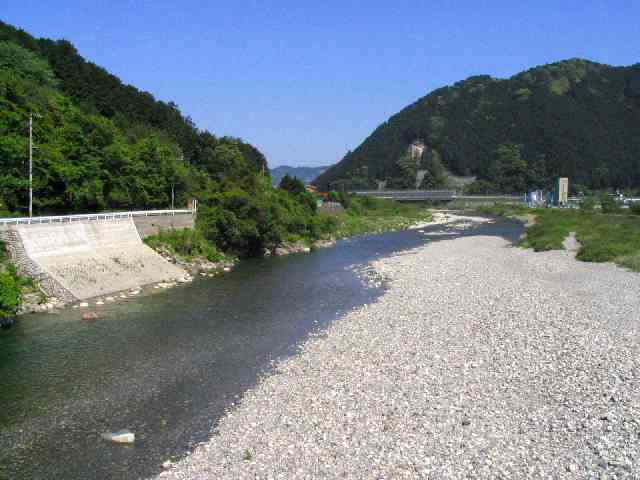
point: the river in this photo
(168, 365)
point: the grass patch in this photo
(604, 237)
(364, 215)
(632, 262)
(503, 210)
(185, 243)
(550, 229)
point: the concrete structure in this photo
(535, 198)
(79, 257)
(416, 150)
(152, 224)
(561, 191)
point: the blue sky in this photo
(305, 80)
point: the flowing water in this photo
(168, 365)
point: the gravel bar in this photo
(482, 360)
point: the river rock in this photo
(6, 322)
(89, 316)
(121, 436)
(324, 243)
(287, 248)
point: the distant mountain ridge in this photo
(304, 174)
(573, 118)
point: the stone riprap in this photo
(92, 258)
(480, 361)
(26, 266)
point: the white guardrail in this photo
(91, 216)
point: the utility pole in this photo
(30, 165)
(173, 183)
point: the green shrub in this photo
(247, 223)
(10, 296)
(588, 204)
(634, 208)
(609, 204)
(185, 242)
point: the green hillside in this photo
(103, 145)
(574, 118)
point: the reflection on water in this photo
(167, 365)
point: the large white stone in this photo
(121, 436)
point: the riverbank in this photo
(368, 215)
(166, 366)
(196, 252)
(480, 360)
(599, 237)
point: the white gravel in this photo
(481, 361)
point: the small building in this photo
(561, 192)
(535, 198)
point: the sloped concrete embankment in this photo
(87, 259)
(26, 266)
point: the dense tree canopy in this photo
(573, 118)
(292, 185)
(101, 145)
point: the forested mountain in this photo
(101, 144)
(304, 174)
(574, 118)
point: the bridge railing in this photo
(438, 195)
(90, 217)
(408, 194)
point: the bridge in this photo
(433, 196)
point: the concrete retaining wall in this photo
(152, 225)
(91, 258)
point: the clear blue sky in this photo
(307, 80)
